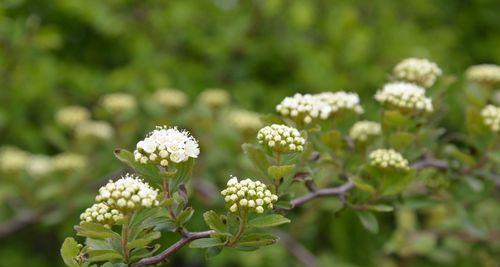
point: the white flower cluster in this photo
(101, 213)
(171, 98)
(491, 117)
(39, 165)
(71, 116)
(281, 138)
(128, 193)
(166, 144)
(362, 130)
(484, 73)
(94, 129)
(388, 158)
(405, 96)
(245, 121)
(418, 70)
(248, 195)
(214, 98)
(306, 107)
(116, 103)
(13, 159)
(66, 162)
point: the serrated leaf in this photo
(368, 220)
(183, 172)
(359, 183)
(94, 230)
(144, 240)
(268, 221)
(257, 240)
(184, 216)
(69, 251)
(278, 172)
(206, 243)
(103, 255)
(149, 171)
(257, 156)
(214, 221)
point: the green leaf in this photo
(368, 220)
(359, 183)
(212, 252)
(393, 119)
(213, 220)
(184, 216)
(257, 156)
(182, 174)
(278, 172)
(268, 221)
(95, 230)
(69, 251)
(381, 208)
(401, 140)
(396, 182)
(257, 240)
(103, 255)
(333, 140)
(144, 240)
(206, 243)
(149, 171)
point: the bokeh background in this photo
(55, 53)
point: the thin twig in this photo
(189, 237)
(332, 191)
(299, 251)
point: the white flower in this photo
(281, 138)
(248, 195)
(13, 159)
(171, 98)
(388, 158)
(484, 74)
(339, 101)
(68, 162)
(417, 70)
(491, 117)
(214, 98)
(94, 129)
(39, 165)
(71, 116)
(362, 130)
(164, 145)
(116, 103)
(103, 214)
(405, 97)
(128, 193)
(245, 121)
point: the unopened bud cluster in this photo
(491, 117)
(12, 159)
(68, 162)
(419, 71)
(128, 193)
(281, 138)
(388, 158)
(39, 165)
(307, 108)
(362, 130)
(484, 74)
(171, 98)
(404, 96)
(94, 130)
(248, 195)
(71, 116)
(117, 103)
(165, 145)
(245, 121)
(214, 98)
(103, 214)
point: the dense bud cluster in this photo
(248, 195)
(117, 103)
(71, 116)
(103, 214)
(418, 70)
(362, 130)
(68, 162)
(484, 74)
(388, 158)
(491, 117)
(171, 98)
(307, 108)
(94, 129)
(214, 98)
(128, 193)
(245, 121)
(12, 159)
(281, 138)
(404, 96)
(164, 145)
(39, 165)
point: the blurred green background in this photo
(60, 52)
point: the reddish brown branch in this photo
(332, 191)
